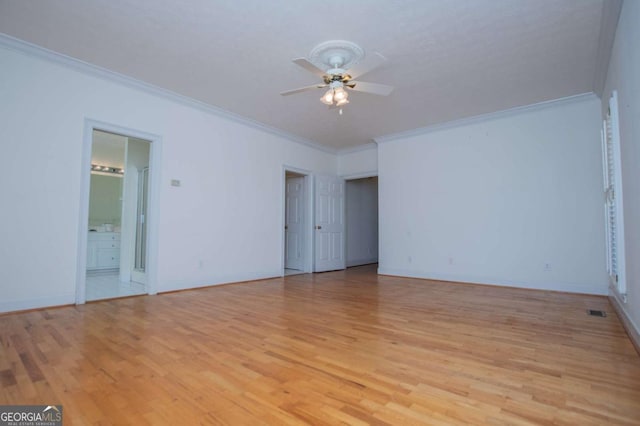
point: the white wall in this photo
(362, 221)
(359, 162)
(624, 76)
(495, 200)
(223, 224)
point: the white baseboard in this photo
(169, 286)
(359, 262)
(631, 328)
(37, 303)
(553, 286)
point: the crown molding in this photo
(487, 117)
(357, 148)
(12, 43)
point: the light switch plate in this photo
(175, 182)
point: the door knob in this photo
(318, 227)
(286, 227)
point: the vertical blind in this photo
(613, 196)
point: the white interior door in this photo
(294, 223)
(330, 224)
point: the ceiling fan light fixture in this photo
(327, 98)
(340, 94)
(339, 63)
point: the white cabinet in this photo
(103, 250)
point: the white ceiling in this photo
(447, 59)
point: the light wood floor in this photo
(342, 347)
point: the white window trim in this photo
(619, 285)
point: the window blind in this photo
(613, 197)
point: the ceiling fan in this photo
(343, 63)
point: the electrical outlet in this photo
(409, 259)
(547, 266)
(175, 182)
(451, 261)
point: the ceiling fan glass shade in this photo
(340, 94)
(327, 98)
(342, 102)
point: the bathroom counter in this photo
(103, 250)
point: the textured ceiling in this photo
(448, 59)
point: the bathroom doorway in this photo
(117, 231)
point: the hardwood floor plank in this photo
(345, 347)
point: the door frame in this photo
(155, 156)
(308, 234)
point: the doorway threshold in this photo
(108, 286)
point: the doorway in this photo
(362, 221)
(117, 237)
(339, 220)
(297, 237)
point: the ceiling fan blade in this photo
(373, 88)
(368, 64)
(303, 89)
(307, 65)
